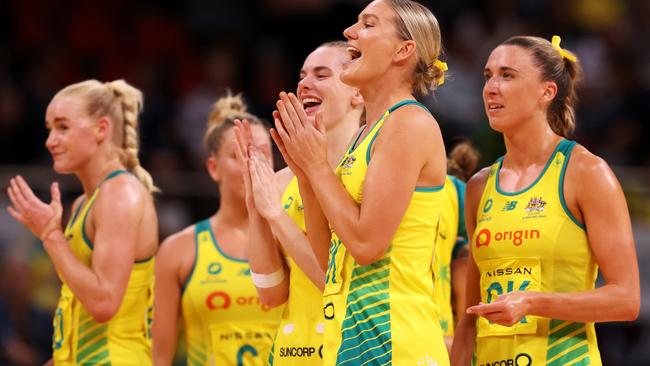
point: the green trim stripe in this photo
(90, 335)
(366, 329)
(569, 343)
(91, 348)
(97, 358)
(584, 362)
(563, 332)
(571, 356)
(86, 322)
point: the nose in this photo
(50, 142)
(350, 32)
(491, 86)
(305, 84)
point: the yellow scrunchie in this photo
(555, 41)
(442, 66)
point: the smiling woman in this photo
(378, 297)
(104, 256)
(539, 232)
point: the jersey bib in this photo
(384, 313)
(299, 340)
(529, 241)
(125, 339)
(225, 323)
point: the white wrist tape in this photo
(268, 280)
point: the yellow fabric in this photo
(125, 339)
(299, 339)
(384, 313)
(224, 321)
(447, 239)
(529, 241)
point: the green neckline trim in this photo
(548, 163)
(430, 189)
(216, 245)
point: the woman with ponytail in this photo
(202, 272)
(542, 220)
(104, 256)
(450, 259)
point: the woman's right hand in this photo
(40, 218)
(265, 192)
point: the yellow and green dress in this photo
(384, 313)
(224, 320)
(451, 238)
(299, 340)
(125, 339)
(530, 241)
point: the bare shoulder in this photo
(584, 164)
(413, 118)
(123, 192)
(283, 177)
(476, 184)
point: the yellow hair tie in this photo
(441, 66)
(555, 41)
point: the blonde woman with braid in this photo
(104, 256)
(542, 220)
(202, 272)
(383, 202)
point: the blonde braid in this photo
(131, 102)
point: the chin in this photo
(348, 77)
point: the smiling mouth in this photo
(309, 103)
(494, 106)
(354, 52)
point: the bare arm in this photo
(464, 338)
(366, 229)
(264, 257)
(100, 288)
(317, 228)
(602, 205)
(170, 277)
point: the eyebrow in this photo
(317, 69)
(56, 119)
(366, 16)
(503, 68)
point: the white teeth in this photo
(354, 52)
(311, 100)
(495, 106)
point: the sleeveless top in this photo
(123, 340)
(530, 241)
(224, 321)
(384, 313)
(299, 340)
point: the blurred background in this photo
(185, 54)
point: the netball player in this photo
(383, 203)
(202, 272)
(543, 219)
(104, 256)
(300, 336)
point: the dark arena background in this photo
(185, 54)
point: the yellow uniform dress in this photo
(125, 339)
(224, 321)
(299, 340)
(529, 241)
(451, 238)
(384, 313)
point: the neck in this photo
(339, 136)
(232, 212)
(382, 93)
(93, 173)
(531, 144)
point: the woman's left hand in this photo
(506, 310)
(304, 142)
(39, 217)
